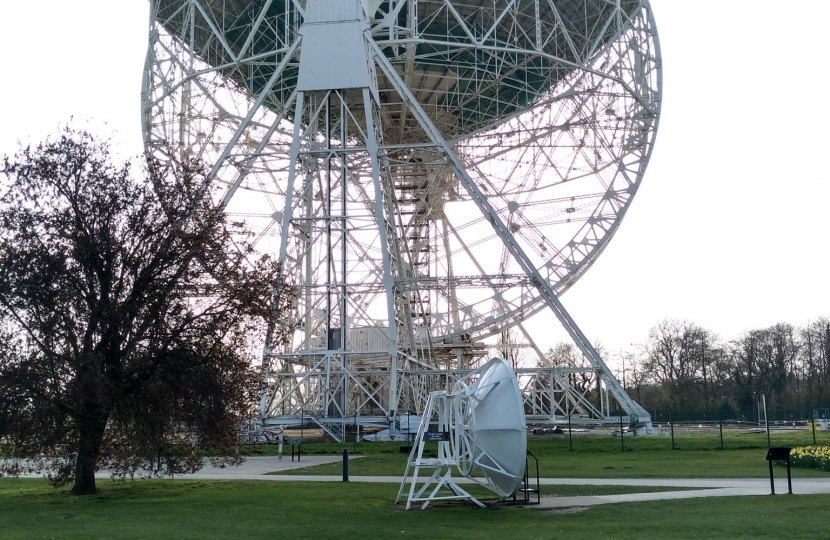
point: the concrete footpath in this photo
(268, 469)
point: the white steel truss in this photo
(439, 485)
(472, 170)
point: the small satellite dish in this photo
(480, 427)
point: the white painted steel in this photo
(437, 171)
(323, 11)
(334, 55)
(493, 427)
(484, 419)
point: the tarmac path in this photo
(268, 469)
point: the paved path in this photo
(692, 488)
(256, 468)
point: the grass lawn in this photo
(695, 456)
(206, 510)
(592, 491)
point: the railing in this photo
(527, 490)
(335, 427)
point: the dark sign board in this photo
(778, 453)
(436, 436)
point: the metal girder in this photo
(472, 182)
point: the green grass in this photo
(211, 510)
(695, 456)
(594, 491)
(484, 494)
(215, 509)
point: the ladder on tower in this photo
(334, 427)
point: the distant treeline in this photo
(684, 367)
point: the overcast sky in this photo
(728, 230)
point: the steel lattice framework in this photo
(431, 173)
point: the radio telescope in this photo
(432, 173)
(481, 428)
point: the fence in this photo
(750, 417)
(721, 427)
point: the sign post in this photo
(297, 443)
(779, 453)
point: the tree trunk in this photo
(91, 437)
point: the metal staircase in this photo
(335, 427)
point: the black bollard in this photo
(345, 464)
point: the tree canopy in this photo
(130, 311)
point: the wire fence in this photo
(780, 427)
(750, 417)
(718, 428)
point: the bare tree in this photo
(641, 379)
(815, 360)
(633, 373)
(688, 363)
(566, 355)
(763, 362)
(669, 359)
(510, 347)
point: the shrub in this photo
(811, 457)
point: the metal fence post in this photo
(622, 437)
(720, 425)
(813, 424)
(671, 426)
(570, 431)
(789, 477)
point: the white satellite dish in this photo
(481, 427)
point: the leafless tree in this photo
(510, 347)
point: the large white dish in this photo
(494, 428)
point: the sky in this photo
(728, 230)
